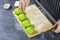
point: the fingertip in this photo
(56, 31)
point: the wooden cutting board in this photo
(38, 20)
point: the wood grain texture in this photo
(38, 20)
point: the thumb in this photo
(58, 29)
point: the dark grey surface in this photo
(11, 30)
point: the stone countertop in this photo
(11, 30)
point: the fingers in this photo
(58, 29)
(24, 4)
(27, 2)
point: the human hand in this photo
(23, 4)
(57, 28)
